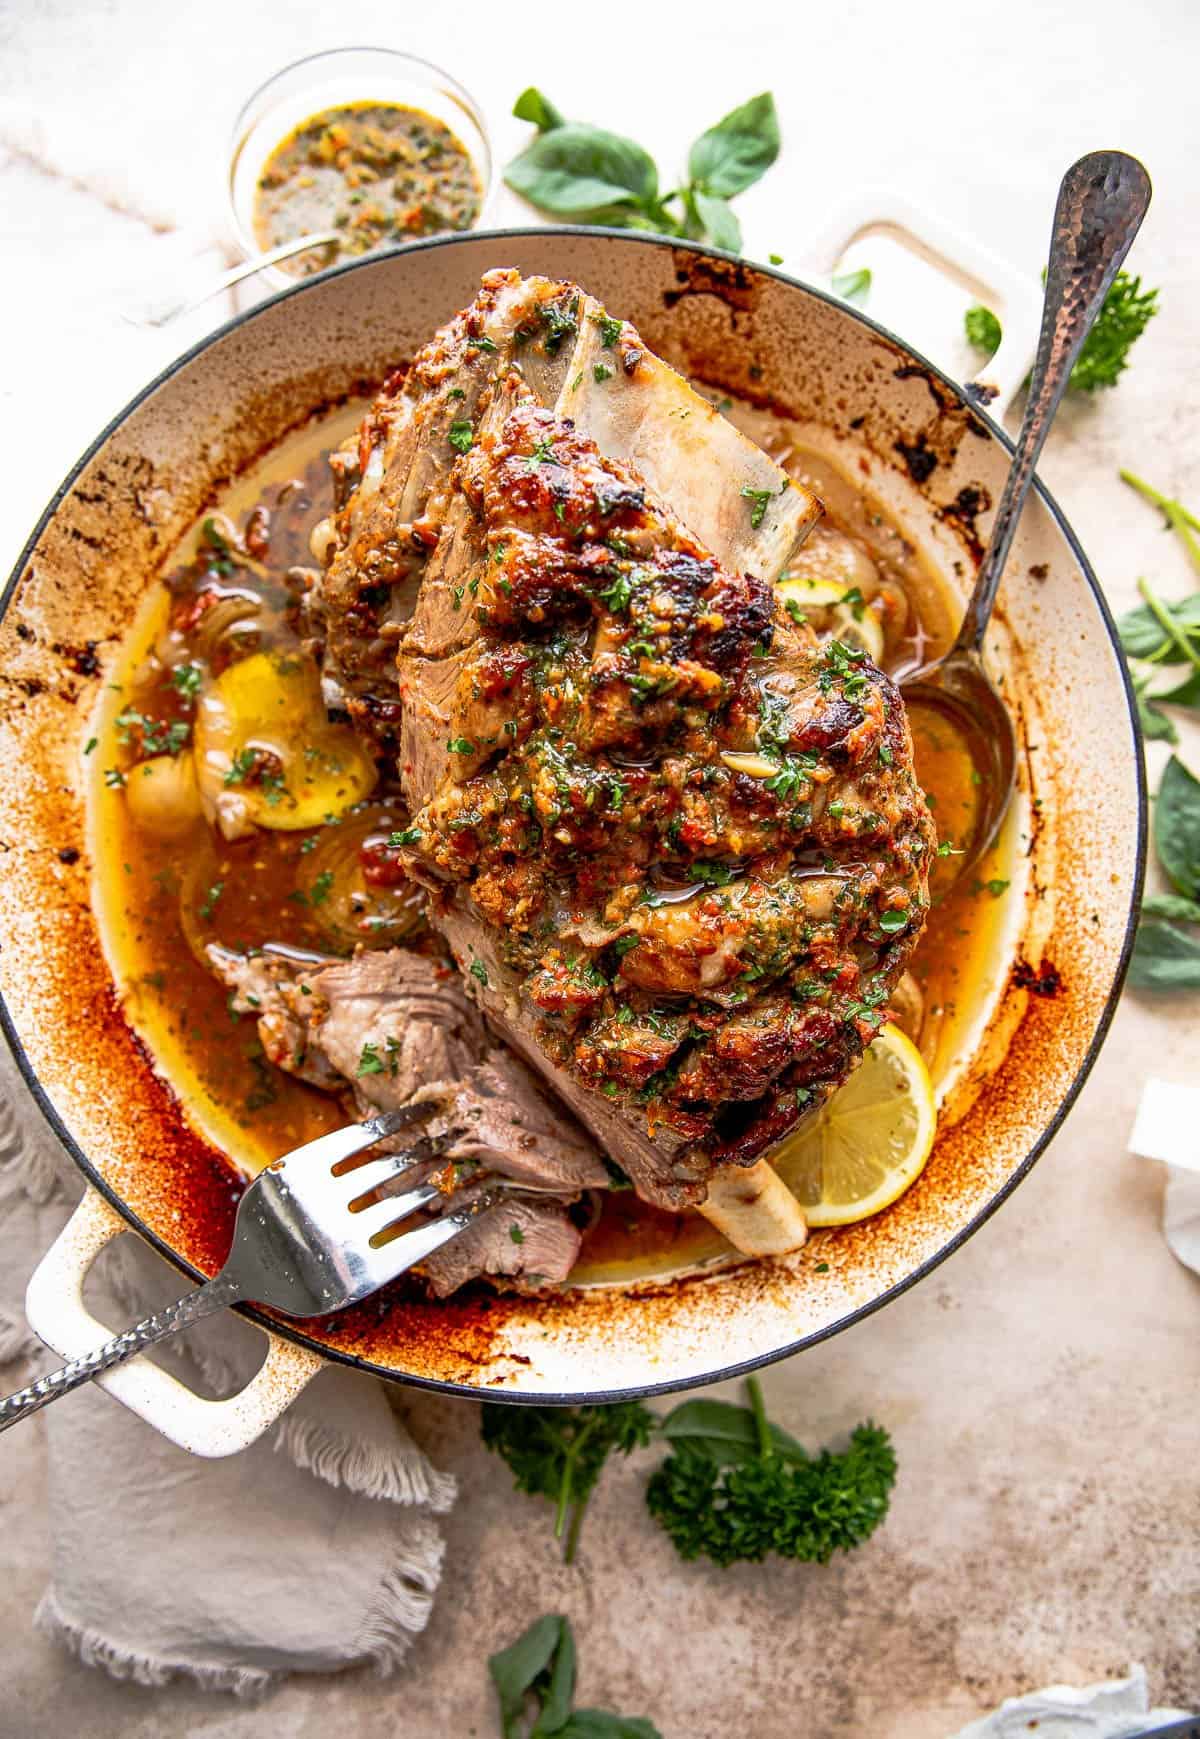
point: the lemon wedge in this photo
(865, 1146)
(270, 706)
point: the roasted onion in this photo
(352, 902)
(162, 795)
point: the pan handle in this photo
(883, 229)
(56, 1312)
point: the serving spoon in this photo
(1101, 203)
(169, 305)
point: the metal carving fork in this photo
(311, 1237)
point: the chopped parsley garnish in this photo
(717, 875)
(113, 777)
(891, 923)
(407, 836)
(210, 900)
(623, 944)
(187, 679)
(240, 768)
(885, 755)
(516, 1234)
(481, 343)
(319, 891)
(560, 321)
(760, 498)
(215, 538)
(479, 972)
(618, 592)
(158, 738)
(601, 372)
(461, 746)
(461, 436)
(90, 745)
(839, 664)
(370, 1062)
(610, 330)
(794, 775)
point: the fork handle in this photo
(214, 1295)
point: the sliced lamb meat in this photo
(646, 801)
(393, 1027)
(533, 1242)
(268, 986)
(509, 1128)
(391, 1022)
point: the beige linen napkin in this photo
(312, 1550)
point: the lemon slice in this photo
(867, 1144)
(824, 603)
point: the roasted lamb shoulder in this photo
(674, 841)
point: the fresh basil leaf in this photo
(733, 155)
(1155, 726)
(719, 221)
(560, 1692)
(1164, 958)
(576, 169)
(1171, 906)
(1177, 827)
(853, 286)
(516, 1669)
(723, 1432)
(1143, 635)
(599, 1724)
(1186, 694)
(531, 105)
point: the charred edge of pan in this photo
(83, 660)
(1043, 980)
(730, 281)
(919, 460)
(948, 402)
(972, 500)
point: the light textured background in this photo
(1042, 1386)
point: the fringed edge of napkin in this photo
(400, 1612)
(405, 1600)
(407, 1478)
(143, 1669)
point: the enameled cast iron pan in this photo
(873, 405)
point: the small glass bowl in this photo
(330, 80)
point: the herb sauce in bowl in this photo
(378, 172)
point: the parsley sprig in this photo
(1127, 311)
(559, 1452)
(734, 1488)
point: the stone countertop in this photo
(1040, 1386)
